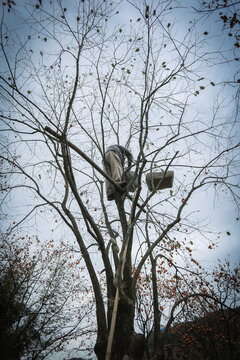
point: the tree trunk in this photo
(126, 342)
(101, 346)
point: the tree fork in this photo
(82, 154)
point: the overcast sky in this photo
(221, 212)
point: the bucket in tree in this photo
(159, 180)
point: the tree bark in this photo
(126, 341)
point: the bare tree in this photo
(225, 15)
(91, 82)
(228, 14)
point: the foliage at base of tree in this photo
(214, 336)
(37, 295)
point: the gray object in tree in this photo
(129, 176)
(159, 180)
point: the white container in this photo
(159, 180)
